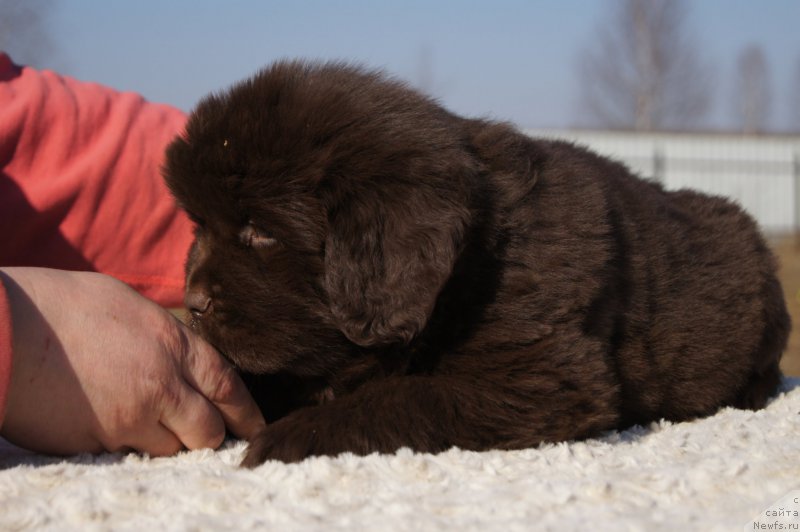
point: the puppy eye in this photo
(252, 237)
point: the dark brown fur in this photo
(387, 274)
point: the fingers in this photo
(193, 420)
(206, 371)
(153, 439)
(230, 395)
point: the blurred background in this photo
(702, 94)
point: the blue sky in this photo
(508, 59)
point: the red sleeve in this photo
(5, 349)
(80, 186)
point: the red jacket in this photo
(80, 187)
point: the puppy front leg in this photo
(433, 414)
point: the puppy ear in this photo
(389, 252)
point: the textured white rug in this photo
(712, 474)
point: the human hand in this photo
(98, 367)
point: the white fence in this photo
(761, 173)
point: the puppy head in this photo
(330, 205)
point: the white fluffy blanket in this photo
(711, 474)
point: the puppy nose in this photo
(197, 301)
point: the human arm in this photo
(97, 367)
(80, 182)
(80, 189)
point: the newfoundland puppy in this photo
(387, 274)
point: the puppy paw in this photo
(293, 438)
(279, 443)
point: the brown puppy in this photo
(386, 274)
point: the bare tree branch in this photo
(425, 76)
(23, 30)
(643, 71)
(794, 104)
(753, 95)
